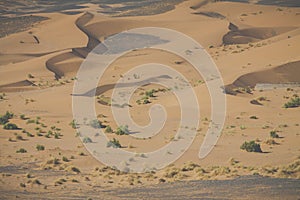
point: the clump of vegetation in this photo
(22, 185)
(73, 169)
(30, 76)
(22, 116)
(273, 134)
(114, 143)
(251, 146)
(293, 103)
(73, 124)
(21, 150)
(271, 142)
(95, 124)
(2, 96)
(253, 117)
(65, 159)
(87, 140)
(122, 130)
(150, 93)
(6, 117)
(40, 147)
(10, 126)
(19, 137)
(108, 129)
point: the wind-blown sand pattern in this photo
(250, 43)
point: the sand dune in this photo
(287, 73)
(19, 86)
(250, 44)
(250, 35)
(65, 64)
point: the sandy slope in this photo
(262, 46)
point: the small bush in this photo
(108, 129)
(122, 130)
(40, 147)
(95, 124)
(73, 124)
(22, 185)
(10, 126)
(5, 118)
(56, 135)
(22, 116)
(73, 169)
(30, 121)
(253, 117)
(30, 76)
(19, 137)
(114, 143)
(273, 134)
(150, 93)
(87, 140)
(271, 142)
(21, 150)
(65, 159)
(251, 146)
(293, 103)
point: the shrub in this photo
(30, 76)
(114, 143)
(150, 93)
(5, 118)
(40, 147)
(21, 150)
(73, 169)
(22, 185)
(30, 121)
(56, 135)
(273, 134)
(293, 103)
(253, 117)
(65, 159)
(87, 140)
(146, 101)
(251, 146)
(95, 124)
(10, 126)
(122, 130)
(22, 116)
(73, 124)
(108, 129)
(271, 142)
(19, 137)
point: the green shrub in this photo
(21, 150)
(122, 130)
(22, 116)
(40, 147)
(73, 124)
(87, 140)
(273, 134)
(251, 146)
(30, 76)
(293, 103)
(65, 159)
(10, 126)
(146, 101)
(150, 93)
(108, 129)
(5, 118)
(95, 124)
(114, 143)
(30, 121)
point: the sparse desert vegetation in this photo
(45, 151)
(251, 146)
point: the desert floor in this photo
(252, 45)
